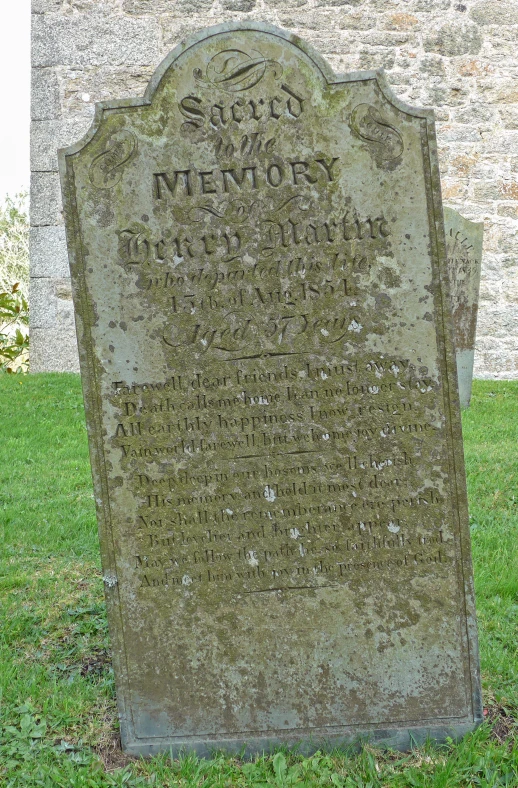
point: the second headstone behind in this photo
(464, 255)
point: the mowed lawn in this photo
(58, 719)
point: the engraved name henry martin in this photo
(257, 256)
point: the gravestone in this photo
(464, 256)
(257, 256)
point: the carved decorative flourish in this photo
(239, 211)
(234, 70)
(385, 142)
(106, 168)
(234, 212)
(297, 202)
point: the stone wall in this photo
(460, 58)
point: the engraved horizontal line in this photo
(297, 451)
(237, 735)
(291, 588)
(278, 454)
(266, 355)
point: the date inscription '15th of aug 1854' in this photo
(257, 256)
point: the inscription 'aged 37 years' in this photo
(257, 253)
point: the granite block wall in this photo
(461, 58)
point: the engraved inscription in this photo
(206, 117)
(189, 182)
(281, 515)
(464, 270)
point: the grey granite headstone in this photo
(257, 257)
(464, 254)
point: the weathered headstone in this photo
(464, 256)
(257, 254)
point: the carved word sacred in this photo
(464, 255)
(267, 368)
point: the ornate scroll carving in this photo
(106, 168)
(384, 141)
(235, 70)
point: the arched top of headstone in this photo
(248, 46)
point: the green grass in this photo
(58, 719)
(491, 450)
